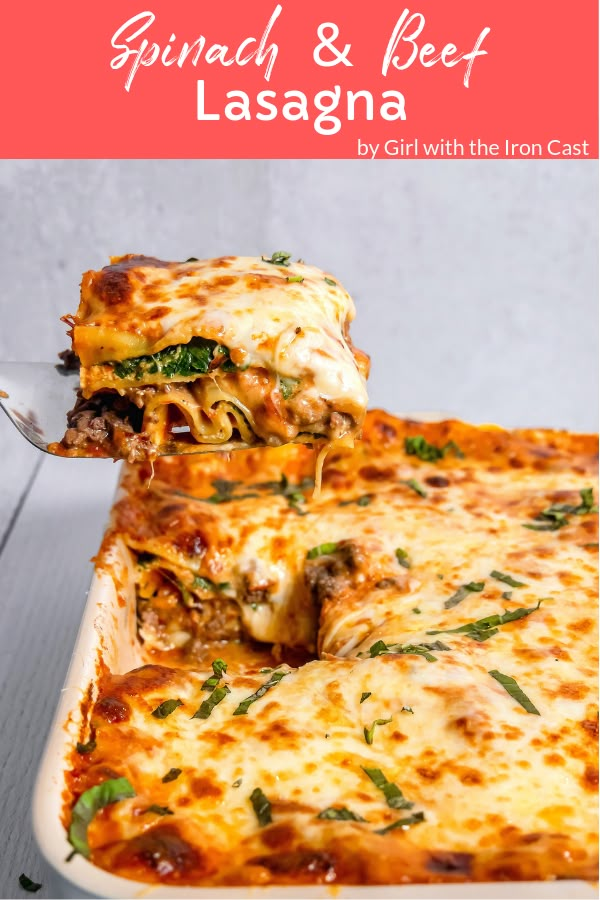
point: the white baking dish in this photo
(107, 634)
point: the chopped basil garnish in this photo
(219, 667)
(403, 823)
(27, 884)
(89, 803)
(464, 591)
(224, 492)
(86, 748)
(201, 583)
(237, 783)
(261, 807)
(365, 696)
(402, 557)
(507, 595)
(330, 281)
(370, 732)
(341, 814)
(298, 279)
(507, 579)
(279, 258)
(293, 493)
(243, 707)
(392, 793)
(485, 628)
(207, 706)
(557, 515)
(322, 550)
(363, 500)
(380, 648)
(416, 610)
(511, 687)
(418, 446)
(171, 775)
(159, 810)
(166, 708)
(193, 358)
(408, 709)
(414, 485)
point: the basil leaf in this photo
(243, 707)
(262, 807)
(557, 515)
(511, 687)
(86, 748)
(341, 814)
(207, 706)
(418, 446)
(587, 504)
(330, 281)
(415, 486)
(89, 803)
(292, 492)
(219, 667)
(279, 258)
(365, 696)
(237, 783)
(166, 708)
(206, 584)
(379, 648)
(363, 500)
(394, 797)
(171, 775)
(27, 884)
(507, 595)
(482, 629)
(402, 557)
(403, 823)
(507, 579)
(408, 709)
(322, 550)
(295, 278)
(464, 591)
(194, 358)
(370, 732)
(159, 810)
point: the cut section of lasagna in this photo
(228, 352)
(392, 682)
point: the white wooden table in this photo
(45, 572)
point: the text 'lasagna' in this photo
(228, 353)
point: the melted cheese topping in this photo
(503, 792)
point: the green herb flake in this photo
(330, 281)
(279, 258)
(485, 628)
(365, 696)
(295, 279)
(322, 550)
(288, 386)
(416, 610)
(408, 709)
(363, 500)
(171, 775)
(507, 579)
(237, 783)
(27, 884)
(159, 810)
(243, 707)
(464, 591)
(507, 595)
(262, 807)
(91, 802)
(557, 516)
(200, 583)
(418, 446)
(511, 687)
(219, 668)
(341, 814)
(84, 749)
(293, 493)
(402, 557)
(395, 799)
(414, 485)
(380, 648)
(196, 357)
(207, 706)
(370, 732)
(405, 823)
(166, 708)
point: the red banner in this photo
(300, 79)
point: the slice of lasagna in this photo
(228, 353)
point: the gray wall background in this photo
(475, 281)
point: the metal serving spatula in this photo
(36, 398)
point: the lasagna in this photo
(230, 352)
(391, 682)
